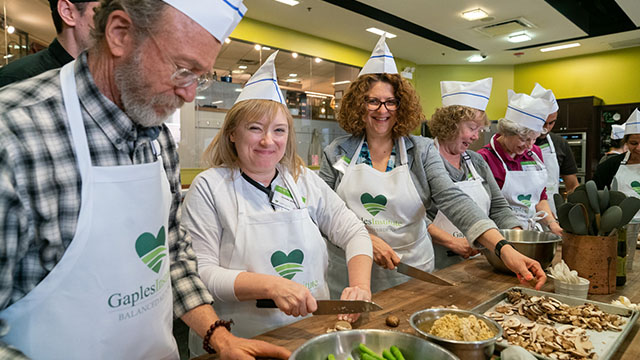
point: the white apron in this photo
(110, 295)
(522, 189)
(472, 187)
(627, 180)
(390, 207)
(281, 243)
(550, 159)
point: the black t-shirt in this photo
(563, 153)
(53, 57)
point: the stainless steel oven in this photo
(578, 144)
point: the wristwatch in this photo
(499, 246)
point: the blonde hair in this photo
(222, 152)
(445, 122)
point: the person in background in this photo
(617, 143)
(73, 20)
(455, 126)
(92, 260)
(257, 214)
(556, 153)
(388, 178)
(515, 161)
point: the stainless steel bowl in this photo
(344, 344)
(467, 350)
(537, 245)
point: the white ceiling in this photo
(322, 19)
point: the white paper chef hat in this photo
(264, 83)
(528, 111)
(540, 92)
(632, 126)
(381, 60)
(472, 94)
(218, 17)
(617, 132)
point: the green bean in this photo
(366, 351)
(331, 357)
(387, 355)
(396, 352)
(366, 356)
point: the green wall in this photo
(613, 76)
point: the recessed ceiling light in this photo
(317, 94)
(266, 48)
(292, 80)
(238, 90)
(227, 40)
(560, 47)
(476, 58)
(294, 55)
(340, 82)
(242, 67)
(11, 29)
(289, 2)
(200, 97)
(217, 102)
(519, 36)
(257, 46)
(237, 71)
(293, 75)
(475, 14)
(380, 32)
(318, 60)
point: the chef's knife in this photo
(328, 307)
(421, 275)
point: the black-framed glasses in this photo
(183, 77)
(374, 104)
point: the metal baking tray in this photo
(605, 343)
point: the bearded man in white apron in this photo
(388, 178)
(103, 267)
(556, 154)
(523, 180)
(456, 126)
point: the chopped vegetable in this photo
(396, 352)
(331, 357)
(387, 355)
(364, 350)
(366, 356)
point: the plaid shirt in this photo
(40, 183)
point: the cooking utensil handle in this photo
(266, 303)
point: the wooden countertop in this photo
(477, 282)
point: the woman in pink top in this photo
(516, 162)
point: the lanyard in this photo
(257, 185)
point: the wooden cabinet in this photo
(582, 115)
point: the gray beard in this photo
(138, 104)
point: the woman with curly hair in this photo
(455, 126)
(388, 178)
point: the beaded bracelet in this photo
(207, 337)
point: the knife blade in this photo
(421, 275)
(329, 307)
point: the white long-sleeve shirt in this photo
(210, 210)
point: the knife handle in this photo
(266, 303)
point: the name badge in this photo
(342, 164)
(281, 197)
(529, 166)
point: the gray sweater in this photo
(429, 177)
(500, 212)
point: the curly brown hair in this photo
(353, 108)
(444, 123)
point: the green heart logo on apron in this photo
(287, 265)
(151, 249)
(373, 204)
(525, 199)
(636, 186)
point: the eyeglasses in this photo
(374, 104)
(184, 77)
